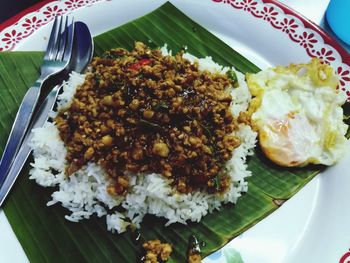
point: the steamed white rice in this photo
(84, 192)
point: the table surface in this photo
(9, 8)
(311, 9)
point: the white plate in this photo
(310, 227)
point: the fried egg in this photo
(298, 115)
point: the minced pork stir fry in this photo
(143, 112)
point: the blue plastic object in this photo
(338, 18)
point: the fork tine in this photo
(62, 39)
(53, 38)
(69, 46)
(53, 54)
(57, 42)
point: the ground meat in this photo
(140, 111)
(194, 250)
(194, 258)
(155, 251)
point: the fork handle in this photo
(19, 129)
(38, 121)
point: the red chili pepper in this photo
(140, 63)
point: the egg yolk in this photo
(288, 142)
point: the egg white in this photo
(297, 113)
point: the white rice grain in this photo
(84, 193)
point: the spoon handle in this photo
(23, 153)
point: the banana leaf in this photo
(44, 233)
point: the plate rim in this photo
(285, 8)
(19, 27)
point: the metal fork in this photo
(57, 56)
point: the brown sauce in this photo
(140, 112)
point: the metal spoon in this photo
(83, 48)
(82, 54)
